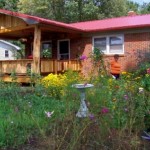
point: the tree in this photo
(80, 10)
(112, 8)
(77, 10)
(37, 8)
(145, 8)
(9, 4)
(133, 6)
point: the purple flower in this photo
(104, 110)
(148, 71)
(126, 97)
(91, 116)
(126, 109)
(49, 114)
(83, 57)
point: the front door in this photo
(63, 49)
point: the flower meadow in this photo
(44, 116)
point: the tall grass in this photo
(118, 115)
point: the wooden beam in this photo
(20, 79)
(17, 28)
(36, 50)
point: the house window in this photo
(110, 44)
(46, 50)
(6, 54)
(63, 49)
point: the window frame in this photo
(42, 42)
(58, 49)
(107, 52)
(7, 53)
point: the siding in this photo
(10, 49)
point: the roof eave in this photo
(118, 28)
(31, 20)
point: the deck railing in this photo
(18, 66)
(56, 66)
(47, 66)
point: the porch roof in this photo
(31, 20)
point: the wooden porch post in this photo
(36, 49)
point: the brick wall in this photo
(137, 50)
(136, 46)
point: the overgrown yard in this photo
(44, 116)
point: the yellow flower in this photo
(137, 78)
(123, 72)
(114, 107)
(114, 100)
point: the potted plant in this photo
(46, 53)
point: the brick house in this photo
(128, 36)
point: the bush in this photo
(57, 83)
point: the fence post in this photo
(55, 66)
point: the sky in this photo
(141, 1)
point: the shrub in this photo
(57, 83)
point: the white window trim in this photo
(107, 43)
(58, 48)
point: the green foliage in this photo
(22, 113)
(77, 10)
(39, 8)
(57, 84)
(113, 8)
(117, 111)
(21, 53)
(133, 6)
(13, 76)
(47, 53)
(142, 69)
(145, 8)
(9, 4)
(80, 11)
(97, 57)
(145, 82)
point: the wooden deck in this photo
(21, 67)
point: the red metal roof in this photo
(34, 20)
(119, 23)
(115, 23)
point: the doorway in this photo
(63, 49)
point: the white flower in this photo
(141, 90)
(49, 114)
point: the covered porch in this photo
(38, 34)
